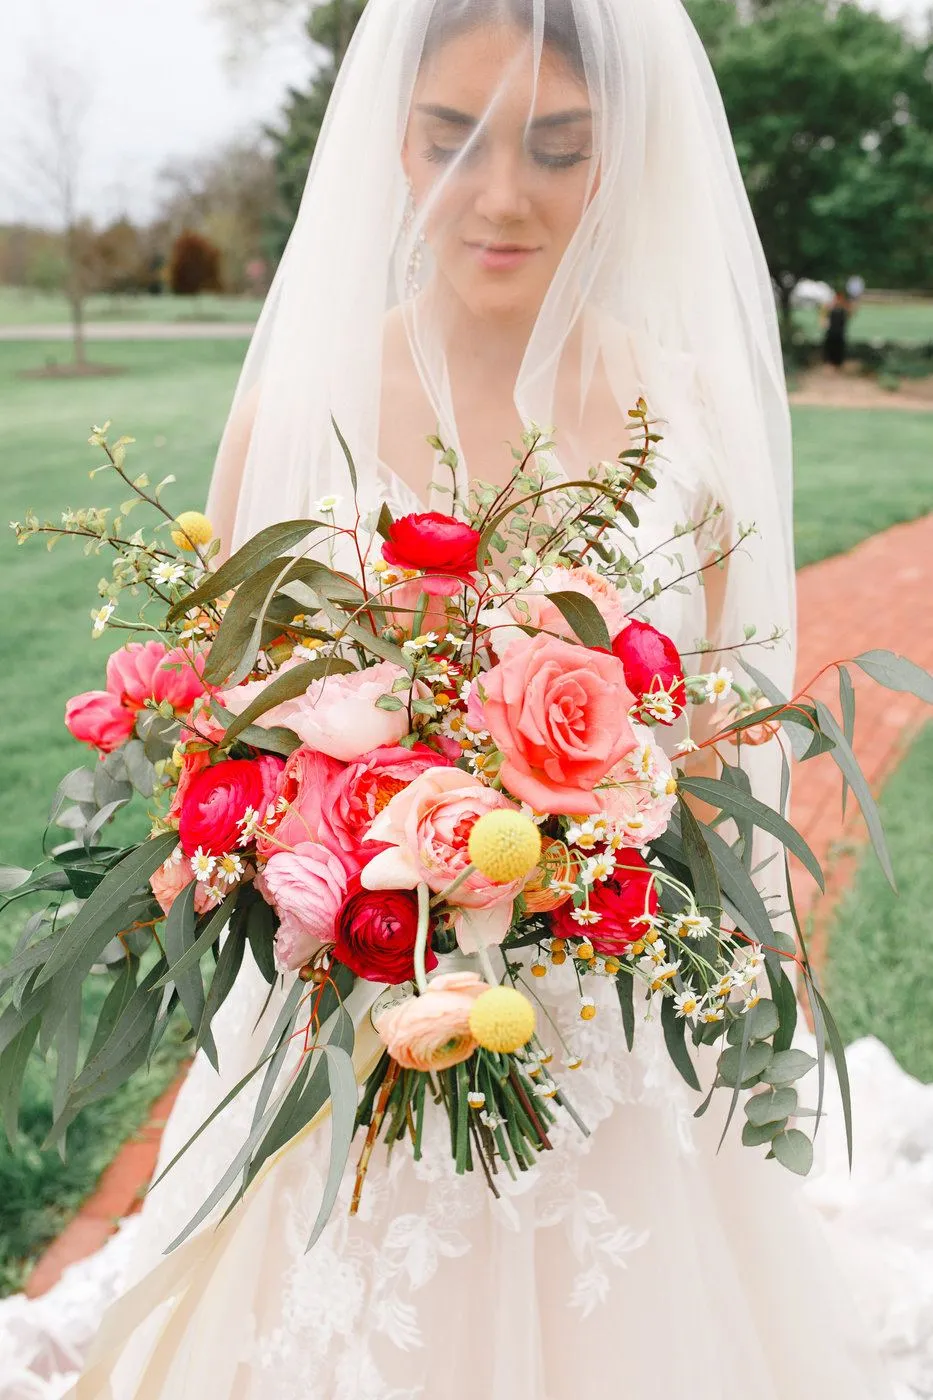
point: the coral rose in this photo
(97, 718)
(306, 888)
(651, 663)
(376, 933)
(558, 713)
(432, 1032)
(621, 903)
(216, 801)
(353, 797)
(339, 716)
(442, 548)
(427, 828)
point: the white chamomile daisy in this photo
(100, 617)
(167, 572)
(585, 916)
(203, 865)
(686, 746)
(718, 685)
(327, 504)
(686, 1003)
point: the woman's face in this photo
(500, 161)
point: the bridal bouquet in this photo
(419, 767)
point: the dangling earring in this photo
(416, 257)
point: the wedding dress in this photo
(563, 166)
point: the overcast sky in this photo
(161, 87)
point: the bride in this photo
(519, 212)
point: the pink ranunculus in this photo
(301, 787)
(131, 672)
(339, 716)
(174, 876)
(306, 888)
(427, 828)
(354, 796)
(432, 1032)
(179, 679)
(217, 799)
(532, 607)
(558, 712)
(652, 663)
(635, 798)
(97, 718)
(438, 545)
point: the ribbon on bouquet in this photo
(198, 1301)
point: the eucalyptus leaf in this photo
(897, 673)
(787, 1066)
(849, 767)
(287, 685)
(225, 975)
(738, 1069)
(771, 1107)
(584, 617)
(179, 938)
(263, 549)
(674, 1028)
(12, 877)
(794, 1150)
(343, 1100)
(732, 799)
(625, 988)
(702, 869)
(755, 1134)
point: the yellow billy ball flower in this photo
(193, 529)
(502, 1020)
(505, 845)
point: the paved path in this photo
(135, 330)
(880, 594)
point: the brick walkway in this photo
(881, 594)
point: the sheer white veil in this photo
(665, 260)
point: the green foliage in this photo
(330, 28)
(195, 265)
(831, 110)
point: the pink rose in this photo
(432, 1032)
(97, 718)
(240, 696)
(427, 828)
(635, 798)
(339, 716)
(145, 671)
(354, 796)
(532, 607)
(558, 712)
(174, 876)
(217, 799)
(306, 888)
(301, 786)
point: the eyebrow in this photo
(455, 118)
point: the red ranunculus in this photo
(216, 799)
(376, 932)
(621, 904)
(434, 544)
(652, 664)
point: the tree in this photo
(231, 199)
(194, 266)
(830, 108)
(330, 28)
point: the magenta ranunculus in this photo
(559, 713)
(217, 799)
(97, 718)
(306, 888)
(442, 548)
(621, 902)
(651, 663)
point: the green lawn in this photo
(856, 474)
(880, 959)
(881, 320)
(20, 307)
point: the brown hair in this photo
(560, 32)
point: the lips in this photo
(501, 256)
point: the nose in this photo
(501, 198)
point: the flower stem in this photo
(421, 940)
(455, 885)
